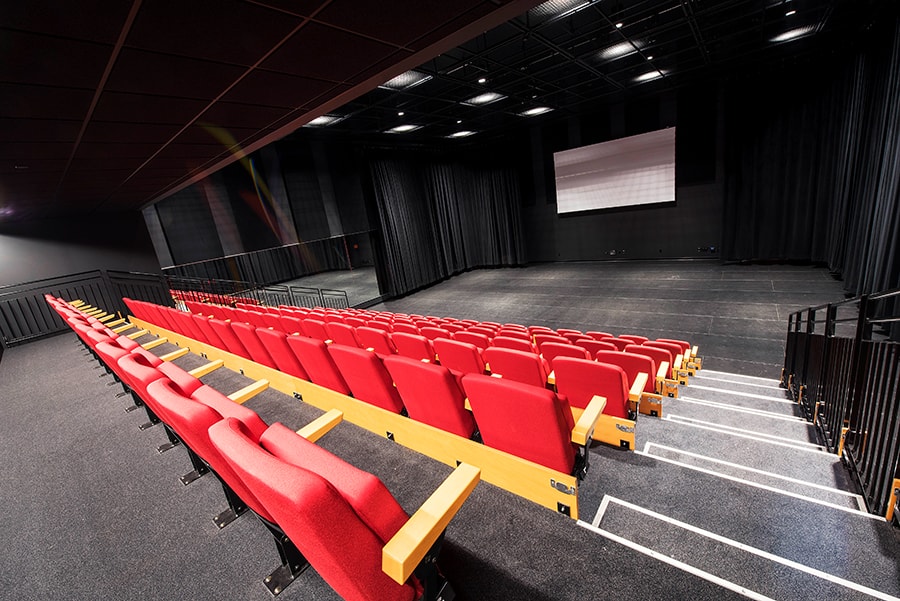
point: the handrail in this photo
(846, 384)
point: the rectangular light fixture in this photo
(793, 34)
(461, 134)
(538, 110)
(404, 81)
(620, 49)
(324, 120)
(486, 98)
(560, 8)
(402, 129)
(648, 76)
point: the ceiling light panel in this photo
(486, 98)
(621, 49)
(402, 129)
(324, 121)
(407, 80)
(538, 110)
(793, 34)
(461, 134)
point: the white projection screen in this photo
(637, 170)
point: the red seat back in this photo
(513, 343)
(479, 340)
(674, 349)
(459, 357)
(599, 335)
(315, 328)
(431, 395)
(232, 343)
(315, 513)
(541, 339)
(552, 350)
(276, 345)
(527, 421)
(341, 333)
(581, 379)
(317, 363)
(247, 335)
(191, 420)
(413, 346)
(633, 365)
(366, 377)
(518, 366)
(592, 346)
(657, 354)
(634, 338)
(684, 344)
(406, 328)
(376, 339)
(433, 332)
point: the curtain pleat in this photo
(813, 170)
(439, 219)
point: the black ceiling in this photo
(108, 105)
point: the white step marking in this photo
(725, 373)
(702, 376)
(646, 452)
(758, 436)
(748, 395)
(733, 543)
(789, 440)
(739, 409)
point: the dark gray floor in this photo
(360, 283)
(730, 491)
(737, 314)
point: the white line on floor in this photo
(791, 441)
(727, 584)
(774, 489)
(750, 410)
(702, 376)
(748, 395)
(725, 373)
(756, 436)
(733, 543)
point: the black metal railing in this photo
(842, 364)
(26, 316)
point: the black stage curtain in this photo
(813, 168)
(441, 219)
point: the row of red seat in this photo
(425, 391)
(312, 501)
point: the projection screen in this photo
(637, 170)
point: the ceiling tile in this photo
(232, 31)
(267, 88)
(20, 101)
(142, 72)
(38, 130)
(347, 54)
(46, 60)
(50, 17)
(119, 106)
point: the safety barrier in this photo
(842, 364)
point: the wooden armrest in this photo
(637, 387)
(693, 352)
(321, 426)
(406, 549)
(584, 427)
(248, 392)
(677, 364)
(663, 370)
(551, 378)
(467, 404)
(199, 372)
(175, 354)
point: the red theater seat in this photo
(275, 342)
(247, 335)
(470, 337)
(431, 395)
(459, 357)
(519, 366)
(376, 339)
(413, 346)
(317, 363)
(552, 350)
(366, 376)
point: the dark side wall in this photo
(37, 250)
(689, 228)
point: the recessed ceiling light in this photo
(482, 80)
(400, 129)
(648, 76)
(458, 121)
(538, 110)
(406, 80)
(649, 57)
(790, 12)
(6, 211)
(560, 8)
(400, 114)
(324, 120)
(621, 49)
(485, 98)
(461, 134)
(793, 34)
(619, 25)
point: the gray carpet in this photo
(92, 511)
